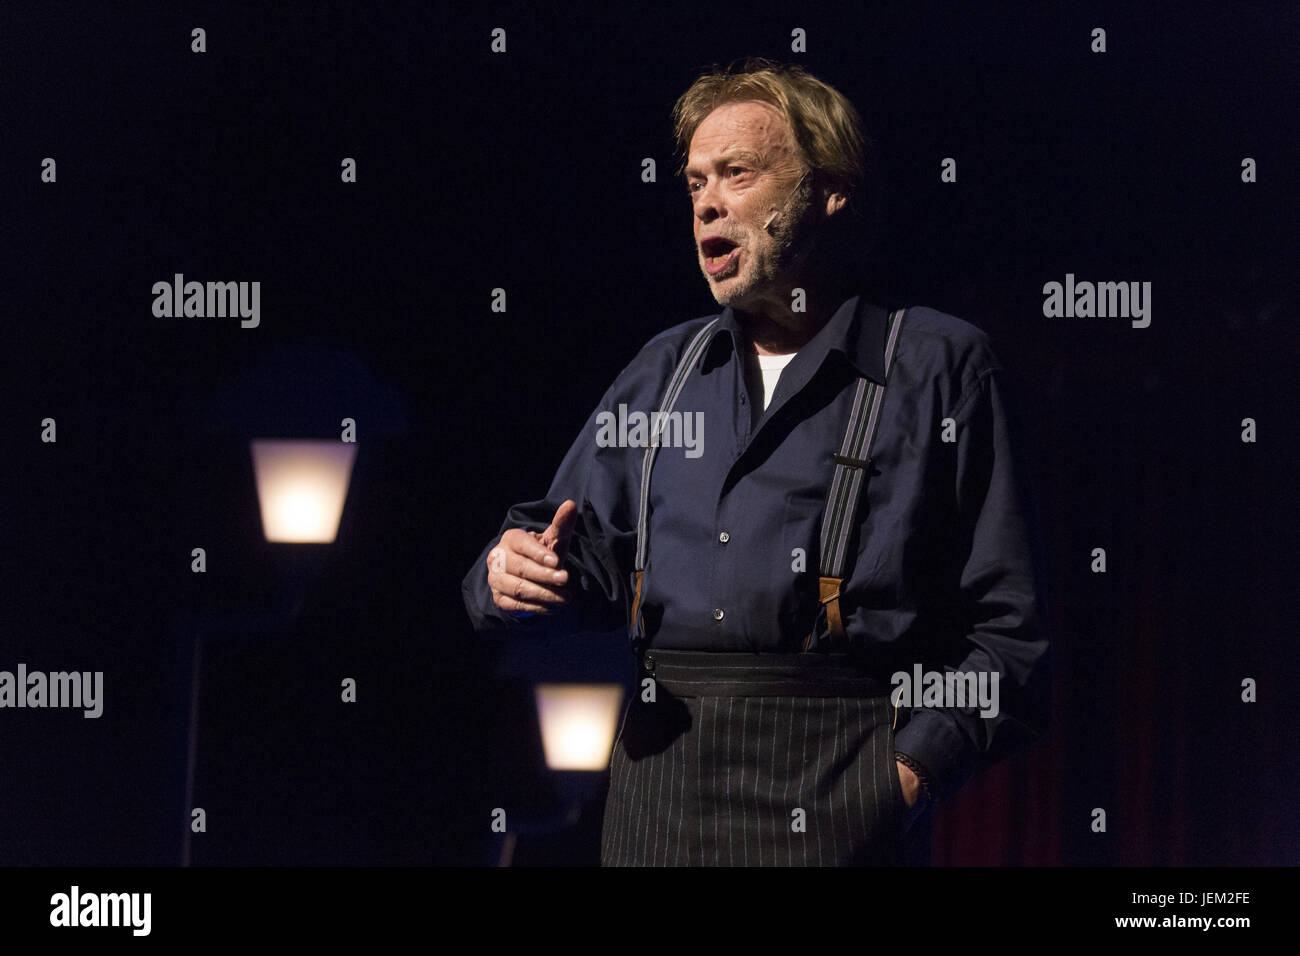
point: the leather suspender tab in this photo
(636, 605)
(830, 596)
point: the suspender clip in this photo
(853, 462)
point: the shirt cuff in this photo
(940, 748)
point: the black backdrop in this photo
(522, 171)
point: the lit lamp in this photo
(578, 723)
(301, 487)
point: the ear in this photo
(835, 201)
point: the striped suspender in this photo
(692, 355)
(851, 464)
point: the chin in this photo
(727, 292)
(722, 297)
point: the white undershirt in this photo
(770, 367)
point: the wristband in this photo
(917, 769)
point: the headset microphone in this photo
(786, 204)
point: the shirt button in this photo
(717, 614)
(724, 537)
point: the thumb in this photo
(557, 536)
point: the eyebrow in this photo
(726, 159)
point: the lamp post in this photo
(301, 488)
(578, 683)
(301, 483)
(577, 723)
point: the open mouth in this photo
(718, 253)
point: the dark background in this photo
(522, 171)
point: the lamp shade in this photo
(301, 487)
(578, 723)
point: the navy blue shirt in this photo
(940, 568)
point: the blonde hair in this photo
(827, 129)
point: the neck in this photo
(773, 328)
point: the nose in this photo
(707, 205)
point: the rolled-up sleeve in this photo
(604, 481)
(596, 585)
(1001, 601)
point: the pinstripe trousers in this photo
(755, 760)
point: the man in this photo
(826, 513)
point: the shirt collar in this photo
(856, 330)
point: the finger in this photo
(502, 561)
(519, 541)
(523, 590)
(520, 608)
(557, 536)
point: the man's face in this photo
(742, 166)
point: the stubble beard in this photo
(762, 270)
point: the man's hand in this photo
(524, 571)
(910, 784)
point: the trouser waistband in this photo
(707, 674)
